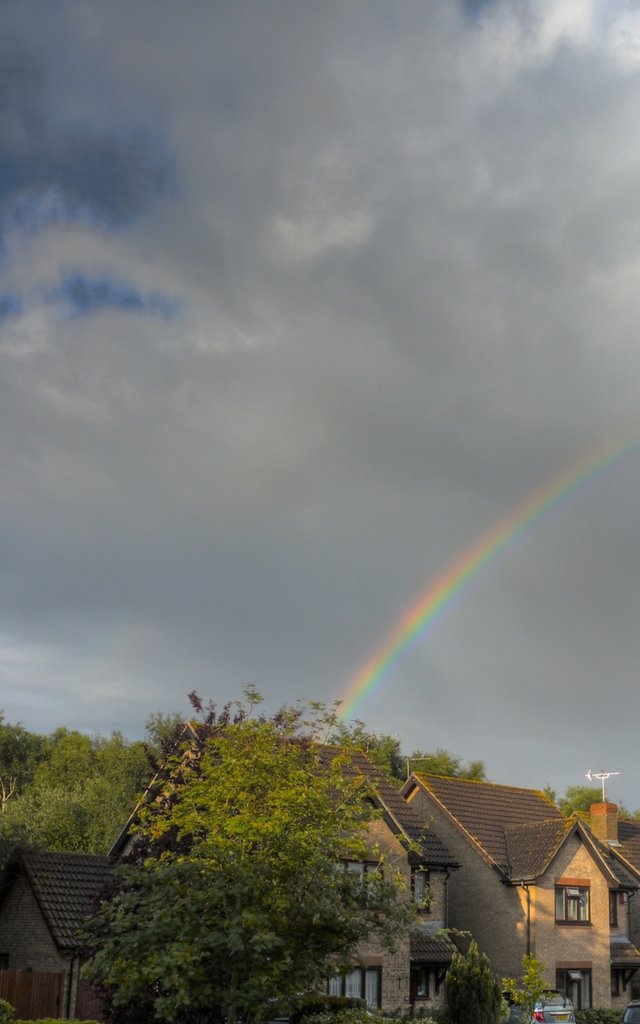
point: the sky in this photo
(297, 301)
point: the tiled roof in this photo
(66, 886)
(493, 816)
(398, 813)
(629, 836)
(623, 953)
(529, 848)
(435, 949)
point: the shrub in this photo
(473, 993)
(595, 1016)
(6, 1012)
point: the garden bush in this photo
(596, 1016)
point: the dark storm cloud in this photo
(91, 177)
(393, 294)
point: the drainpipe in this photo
(528, 892)
(446, 899)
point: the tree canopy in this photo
(235, 894)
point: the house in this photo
(532, 881)
(44, 899)
(413, 976)
(624, 837)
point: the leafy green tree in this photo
(578, 800)
(80, 794)
(381, 748)
(443, 762)
(20, 753)
(235, 894)
(473, 993)
(527, 990)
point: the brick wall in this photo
(24, 933)
(396, 966)
(479, 903)
(566, 945)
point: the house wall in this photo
(24, 933)
(480, 904)
(581, 946)
(396, 966)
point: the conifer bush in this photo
(474, 994)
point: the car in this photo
(554, 1008)
(631, 1014)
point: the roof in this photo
(516, 829)
(403, 820)
(629, 837)
(435, 949)
(624, 953)
(66, 887)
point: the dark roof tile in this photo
(66, 886)
(489, 813)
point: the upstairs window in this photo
(420, 888)
(572, 904)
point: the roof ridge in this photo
(486, 782)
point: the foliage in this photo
(355, 1016)
(382, 749)
(76, 791)
(234, 895)
(525, 991)
(20, 753)
(473, 993)
(6, 1012)
(443, 762)
(598, 1016)
(53, 1020)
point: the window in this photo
(4, 961)
(576, 984)
(572, 904)
(419, 982)
(360, 983)
(613, 908)
(360, 868)
(420, 888)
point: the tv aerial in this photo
(602, 777)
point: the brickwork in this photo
(580, 945)
(493, 914)
(396, 966)
(24, 933)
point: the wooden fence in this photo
(33, 994)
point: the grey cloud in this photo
(404, 244)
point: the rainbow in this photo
(426, 610)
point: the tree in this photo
(526, 992)
(443, 762)
(20, 753)
(381, 748)
(235, 895)
(79, 793)
(473, 993)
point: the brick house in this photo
(44, 899)
(624, 837)
(533, 881)
(413, 976)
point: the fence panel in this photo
(33, 994)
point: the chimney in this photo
(604, 823)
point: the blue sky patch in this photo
(10, 305)
(86, 295)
